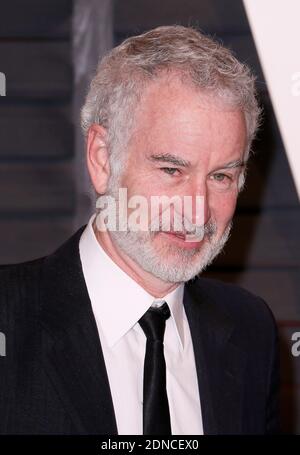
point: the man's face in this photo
(205, 137)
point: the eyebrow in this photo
(176, 160)
(233, 164)
(169, 158)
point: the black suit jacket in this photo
(53, 378)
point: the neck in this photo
(153, 285)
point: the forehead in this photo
(178, 116)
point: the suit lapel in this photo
(73, 357)
(219, 363)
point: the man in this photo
(116, 332)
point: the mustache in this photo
(188, 228)
(181, 223)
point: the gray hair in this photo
(124, 72)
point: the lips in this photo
(186, 237)
(193, 238)
(182, 236)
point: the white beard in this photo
(172, 263)
(169, 262)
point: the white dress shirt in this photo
(118, 302)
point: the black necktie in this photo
(156, 415)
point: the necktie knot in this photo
(154, 321)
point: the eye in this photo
(222, 180)
(170, 170)
(221, 177)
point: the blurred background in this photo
(48, 53)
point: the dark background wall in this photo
(38, 182)
(36, 130)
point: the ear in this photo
(97, 157)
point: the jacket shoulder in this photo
(19, 285)
(243, 306)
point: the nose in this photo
(200, 204)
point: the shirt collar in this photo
(118, 301)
